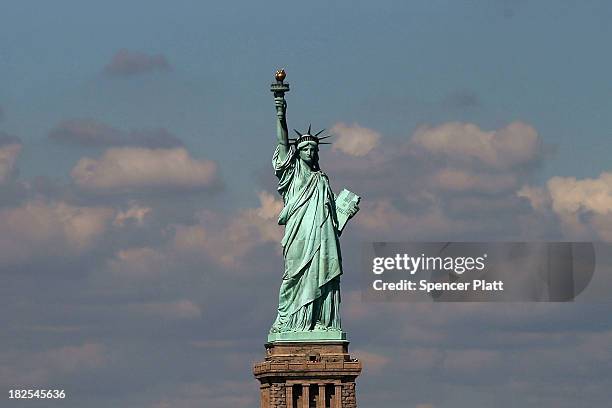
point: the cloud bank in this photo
(512, 145)
(39, 229)
(584, 207)
(137, 169)
(354, 140)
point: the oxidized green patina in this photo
(309, 298)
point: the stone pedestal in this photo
(307, 375)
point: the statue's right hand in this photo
(281, 105)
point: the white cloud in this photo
(513, 145)
(468, 180)
(134, 214)
(538, 197)
(228, 244)
(132, 168)
(354, 140)
(569, 195)
(424, 185)
(584, 207)
(383, 218)
(55, 228)
(137, 264)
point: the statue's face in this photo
(309, 154)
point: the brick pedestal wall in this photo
(348, 396)
(278, 396)
(307, 375)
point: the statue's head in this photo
(307, 146)
(309, 153)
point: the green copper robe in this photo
(309, 297)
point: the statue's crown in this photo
(306, 137)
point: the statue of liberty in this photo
(309, 298)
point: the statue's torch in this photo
(279, 88)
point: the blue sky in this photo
(540, 62)
(454, 120)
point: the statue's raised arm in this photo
(279, 88)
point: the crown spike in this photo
(308, 137)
